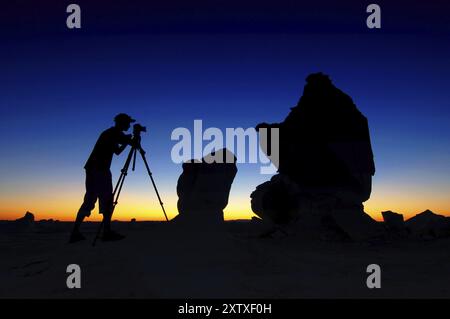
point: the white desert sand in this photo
(159, 260)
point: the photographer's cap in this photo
(124, 118)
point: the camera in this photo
(138, 128)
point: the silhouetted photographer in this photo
(98, 177)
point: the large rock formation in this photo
(325, 162)
(204, 187)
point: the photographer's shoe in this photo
(76, 236)
(112, 236)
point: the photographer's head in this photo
(123, 121)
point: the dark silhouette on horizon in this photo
(98, 177)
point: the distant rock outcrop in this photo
(133, 224)
(325, 163)
(204, 187)
(28, 218)
(429, 225)
(25, 223)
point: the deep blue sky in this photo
(229, 63)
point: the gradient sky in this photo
(229, 63)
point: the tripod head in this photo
(138, 129)
(136, 142)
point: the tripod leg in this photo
(117, 190)
(153, 182)
(119, 182)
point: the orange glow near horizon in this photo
(144, 210)
(145, 207)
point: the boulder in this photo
(394, 224)
(276, 200)
(312, 216)
(203, 188)
(393, 220)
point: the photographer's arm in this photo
(127, 140)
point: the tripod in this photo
(135, 148)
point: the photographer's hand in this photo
(120, 149)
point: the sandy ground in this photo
(158, 260)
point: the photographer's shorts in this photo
(98, 185)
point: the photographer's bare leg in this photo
(85, 211)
